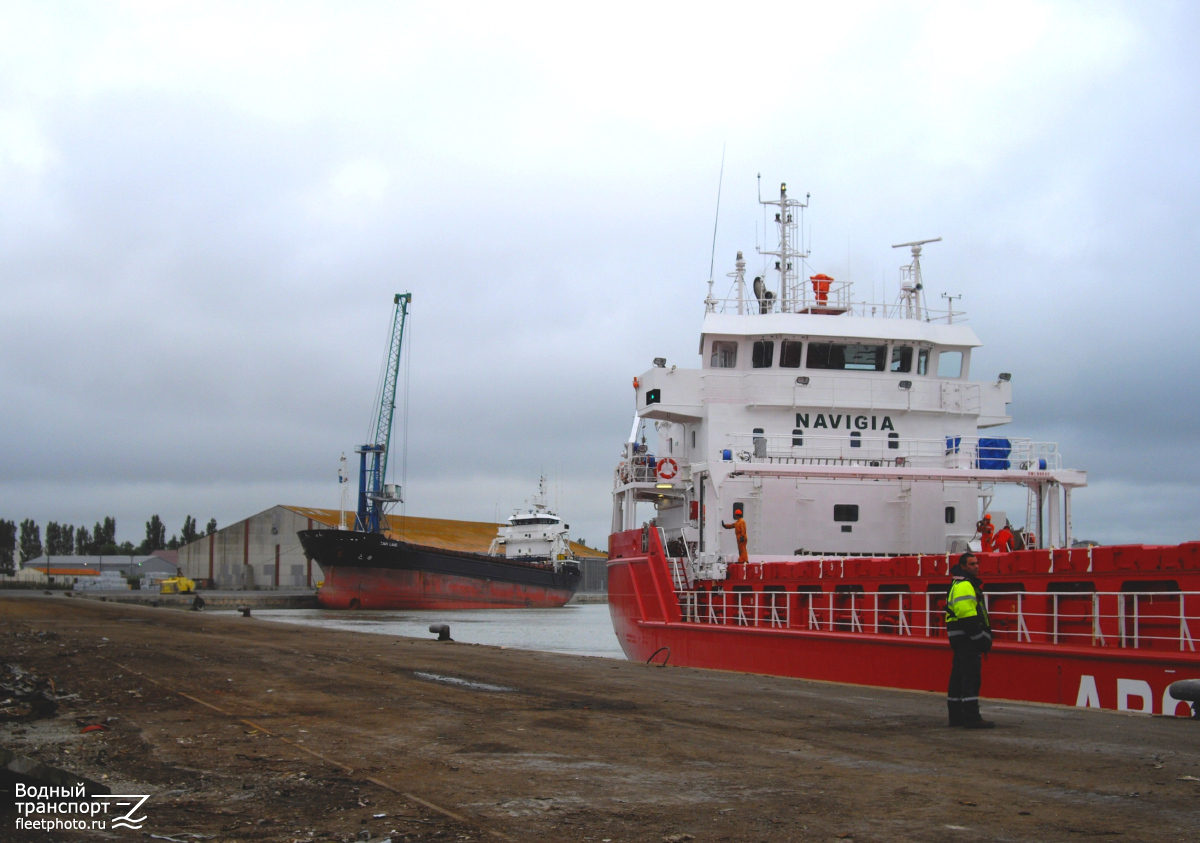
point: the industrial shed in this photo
(263, 552)
(74, 570)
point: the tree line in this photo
(25, 541)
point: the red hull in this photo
(756, 629)
(382, 588)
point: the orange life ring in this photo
(667, 468)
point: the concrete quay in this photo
(305, 598)
(274, 599)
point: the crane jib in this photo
(374, 456)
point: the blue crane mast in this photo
(373, 494)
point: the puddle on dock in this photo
(460, 683)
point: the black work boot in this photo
(971, 718)
(956, 712)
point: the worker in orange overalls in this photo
(1003, 541)
(739, 531)
(986, 530)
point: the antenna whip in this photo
(712, 261)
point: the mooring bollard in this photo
(442, 630)
(1187, 690)
(245, 610)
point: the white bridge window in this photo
(849, 356)
(764, 354)
(789, 354)
(902, 358)
(950, 364)
(724, 354)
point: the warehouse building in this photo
(264, 552)
(80, 570)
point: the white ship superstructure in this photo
(535, 532)
(838, 427)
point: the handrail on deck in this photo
(1131, 620)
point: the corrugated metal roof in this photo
(108, 563)
(472, 536)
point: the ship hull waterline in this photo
(648, 627)
(366, 571)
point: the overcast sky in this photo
(205, 210)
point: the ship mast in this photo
(793, 296)
(912, 298)
(739, 281)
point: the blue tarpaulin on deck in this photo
(993, 454)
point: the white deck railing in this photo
(876, 448)
(1157, 620)
(838, 299)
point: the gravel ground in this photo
(245, 730)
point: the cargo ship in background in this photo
(863, 457)
(382, 571)
(374, 565)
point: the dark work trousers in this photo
(966, 673)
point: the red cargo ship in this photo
(849, 435)
(375, 571)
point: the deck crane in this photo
(373, 494)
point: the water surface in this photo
(584, 630)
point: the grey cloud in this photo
(192, 315)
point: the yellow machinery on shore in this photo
(177, 585)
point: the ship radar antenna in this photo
(912, 298)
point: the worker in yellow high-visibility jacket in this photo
(970, 637)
